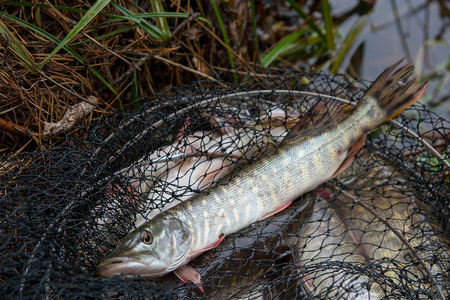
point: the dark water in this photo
(416, 29)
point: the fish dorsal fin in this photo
(321, 115)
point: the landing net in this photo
(381, 227)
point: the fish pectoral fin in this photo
(209, 247)
(276, 210)
(187, 273)
(351, 155)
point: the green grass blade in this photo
(205, 21)
(135, 91)
(420, 57)
(87, 17)
(254, 25)
(162, 14)
(305, 17)
(161, 22)
(112, 33)
(136, 20)
(281, 47)
(200, 7)
(18, 50)
(31, 4)
(225, 37)
(40, 31)
(147, 27)
(54, 39)
(329, 28)
(348, 41)
(79, 10)
(106, 83)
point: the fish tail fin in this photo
(389, 95)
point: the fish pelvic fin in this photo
(351, 155)
(390, 93)
(282, 207)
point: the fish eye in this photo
(147, 237)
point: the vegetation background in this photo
(89, 58)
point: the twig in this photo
(112, 52)
(222, 43)
(61, 18)
(129, 71)
(68, 90)
(247, 73)
(401, 32)
(199, 57)
(188, 69)
(239, 57)
(11, 127)
(185, 21)
(420, 139)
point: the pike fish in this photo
(318, 148)
(192, 163)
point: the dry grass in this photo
(132, 62)
(120, 55)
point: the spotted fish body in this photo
(311, 154)
(266, 186)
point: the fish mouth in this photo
(117, 260)
(128, 266)
(118, 265)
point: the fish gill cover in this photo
(381, 229)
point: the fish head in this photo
(154, 249)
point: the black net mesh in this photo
(381, 228)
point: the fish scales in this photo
(320, 145)
(255, 192)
